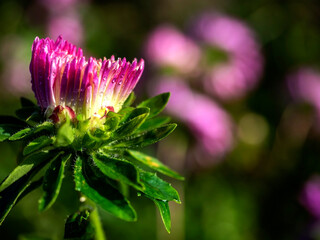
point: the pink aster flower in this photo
(167, 47)
(62, 77)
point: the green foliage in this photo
(156, 104)
(53, 181)
(100, 153)
(78, 226)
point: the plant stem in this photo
(95, 220)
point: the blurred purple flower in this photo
(304, 85)
(210, 124)
(59, 5)
(240, 73)
(167, 47)
(310, 196)
(69, 26)
(13, 55)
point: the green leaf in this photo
(36, 144)
(96, 187)
(27, 132)
(143, 139)
(31, 163)
(52, 182)
(10, 125)
(164, 210)
(78, 226)
(154, 164)
(157, 188)
(32, 186)
(25, 112)
(117, 169)
(156, 104)
(19, 180)
(21, 134)
(130, 99)
(65, 135)
(133, 113)
(130, 126)
(153, 123)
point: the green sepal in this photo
(153, 123)
(93, 184)
(28, 132)
(65, 135)
(78, 226)
(143, 139)
(157, 188)
(19, 179)
(130, 126)
(156, 104)
(117, 169)
(111, 123)
(37, 144)
(154, 164)
(163, 207)
(129, 101)
(53, 181)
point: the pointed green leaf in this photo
(7, 130)
(143, 139)
(130, 126)
(117, 169)
(25, 112)
(52, 182)
(157, 188)
(130, 99)
(96, 187)
(27, 132)
(78, 226)
(153, 123)
(21, 134)
(154, 164)
(156, 104)
(164, 210)
(134, 112)
(19, 179)
(31, 163)
(36, 144)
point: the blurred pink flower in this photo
(15, 65)
(304, 84)
(167, 47)
(210, 124)
(59, 5)
(310, 196)
(240, 73)
(69, 26)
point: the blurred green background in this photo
(258, 188)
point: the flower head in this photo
(62, 76)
